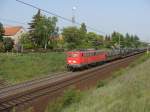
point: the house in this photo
(14, 32)
(56, 37)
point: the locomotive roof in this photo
(87, 50)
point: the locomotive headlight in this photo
(74, 61)
(69, 61)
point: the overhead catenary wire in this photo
(6, 23)
(61, 17)
(18, 22)
(13, 21)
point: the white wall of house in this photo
(18, 35)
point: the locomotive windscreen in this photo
(73, 55)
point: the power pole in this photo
(73, 15)
(119, 42)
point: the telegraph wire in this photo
(12, 21)
(61, 17)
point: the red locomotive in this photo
(86, 58)
(80, 59)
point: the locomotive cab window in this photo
(84, 54)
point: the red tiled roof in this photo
(11, 31)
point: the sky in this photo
(132, 16)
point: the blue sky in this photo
(131, 16)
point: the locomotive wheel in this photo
(73, 69)
(87, 66)
(69, 68)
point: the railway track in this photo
(50, 87)
(32, 82)
(3, 84)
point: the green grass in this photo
(17, 68)
(129, 91)
(70, 97)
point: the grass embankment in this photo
(127, 91)
(17, 68)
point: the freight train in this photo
(86, 58)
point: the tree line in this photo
(44, 33)
(6, 44)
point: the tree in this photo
(46, 29)
(60, 42)
(32, 29)
(94, 40)
(127, 40)
(8, 44)
(132, 41)
(107, 41)
(72, 37)
(26, 41)
(2, 31)
(83, 28)
(51, 32)
(117, 39)
(136, 41)
(42, 29)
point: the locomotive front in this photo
(74, 60)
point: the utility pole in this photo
(148, 49)
(45, 37)
(73, 15)
(119, 42)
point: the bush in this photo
(8, 44)
(1, 47)
(118, 73)
(140, 60)
(100, 83)
(28, 46)
(70, 96)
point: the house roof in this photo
(11, 31)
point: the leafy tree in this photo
(8, 44)
(90, 39)
(60, 43)
(51, 32)
(32, 29)
(94, 40)
(83, 31)
(26, 41)
(1, 32)
(83, 28)
(117, 39)
(136, 41)
(42, 29)
(107, 38)
(127, 40)
(132, 41)
(72, 37)
(100, 40)
(107, 42)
